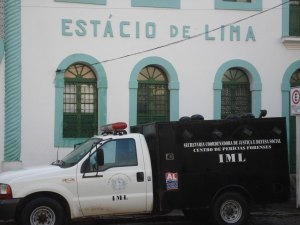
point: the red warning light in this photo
(119, 126)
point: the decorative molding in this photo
(292, 43)
(249, 6)
(175, 4)
(94, 2)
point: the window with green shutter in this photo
(295, 18)
(236, 95)
(153, 102)
(80, 102)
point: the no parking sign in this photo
(295, 101)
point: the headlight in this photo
(5, 191)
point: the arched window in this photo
(236, 95)
(294, 82)
(153, 102)
(80, 102)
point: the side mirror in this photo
(85, 166)
(100, 157)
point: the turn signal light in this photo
(5, 191)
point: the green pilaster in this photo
(12, 45)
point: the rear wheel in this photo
(230, 208)
(43, 211)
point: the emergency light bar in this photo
(116, 128)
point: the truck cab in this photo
(116, 178)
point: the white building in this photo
(70, 66)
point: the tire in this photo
(43, 211)
(230, 208)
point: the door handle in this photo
(140, 177)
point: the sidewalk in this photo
(278, 209)
(283, 209)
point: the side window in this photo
(294, 26)
(95, 2)
(117, 153)
(158, 4)
(239, 4)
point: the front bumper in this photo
(8, 209)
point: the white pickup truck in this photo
(192, 165)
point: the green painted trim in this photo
(171, 73)
(175, 4)
(1, 49)
(285, 96)
(285, 85)
(59, 141)
(253, 6)
(285, 19)
(13, 77)
(286, 88)
(255, 85)
(94, 2)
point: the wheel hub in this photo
(231, 211)
(42, 216)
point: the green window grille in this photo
(295, 82)
(80, 102)
(236, 95)
(153, 100)
(295, 18)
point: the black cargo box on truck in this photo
(195, 162)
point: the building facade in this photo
(70, 66)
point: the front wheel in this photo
(230, 208)
(43, 211)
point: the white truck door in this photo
(117, 187)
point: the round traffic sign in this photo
(296, 97)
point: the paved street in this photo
(257, 218)
(274, 214)
(254, 220)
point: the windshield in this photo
(78, 153)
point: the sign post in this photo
(295, 111)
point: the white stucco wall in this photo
(196, 61)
